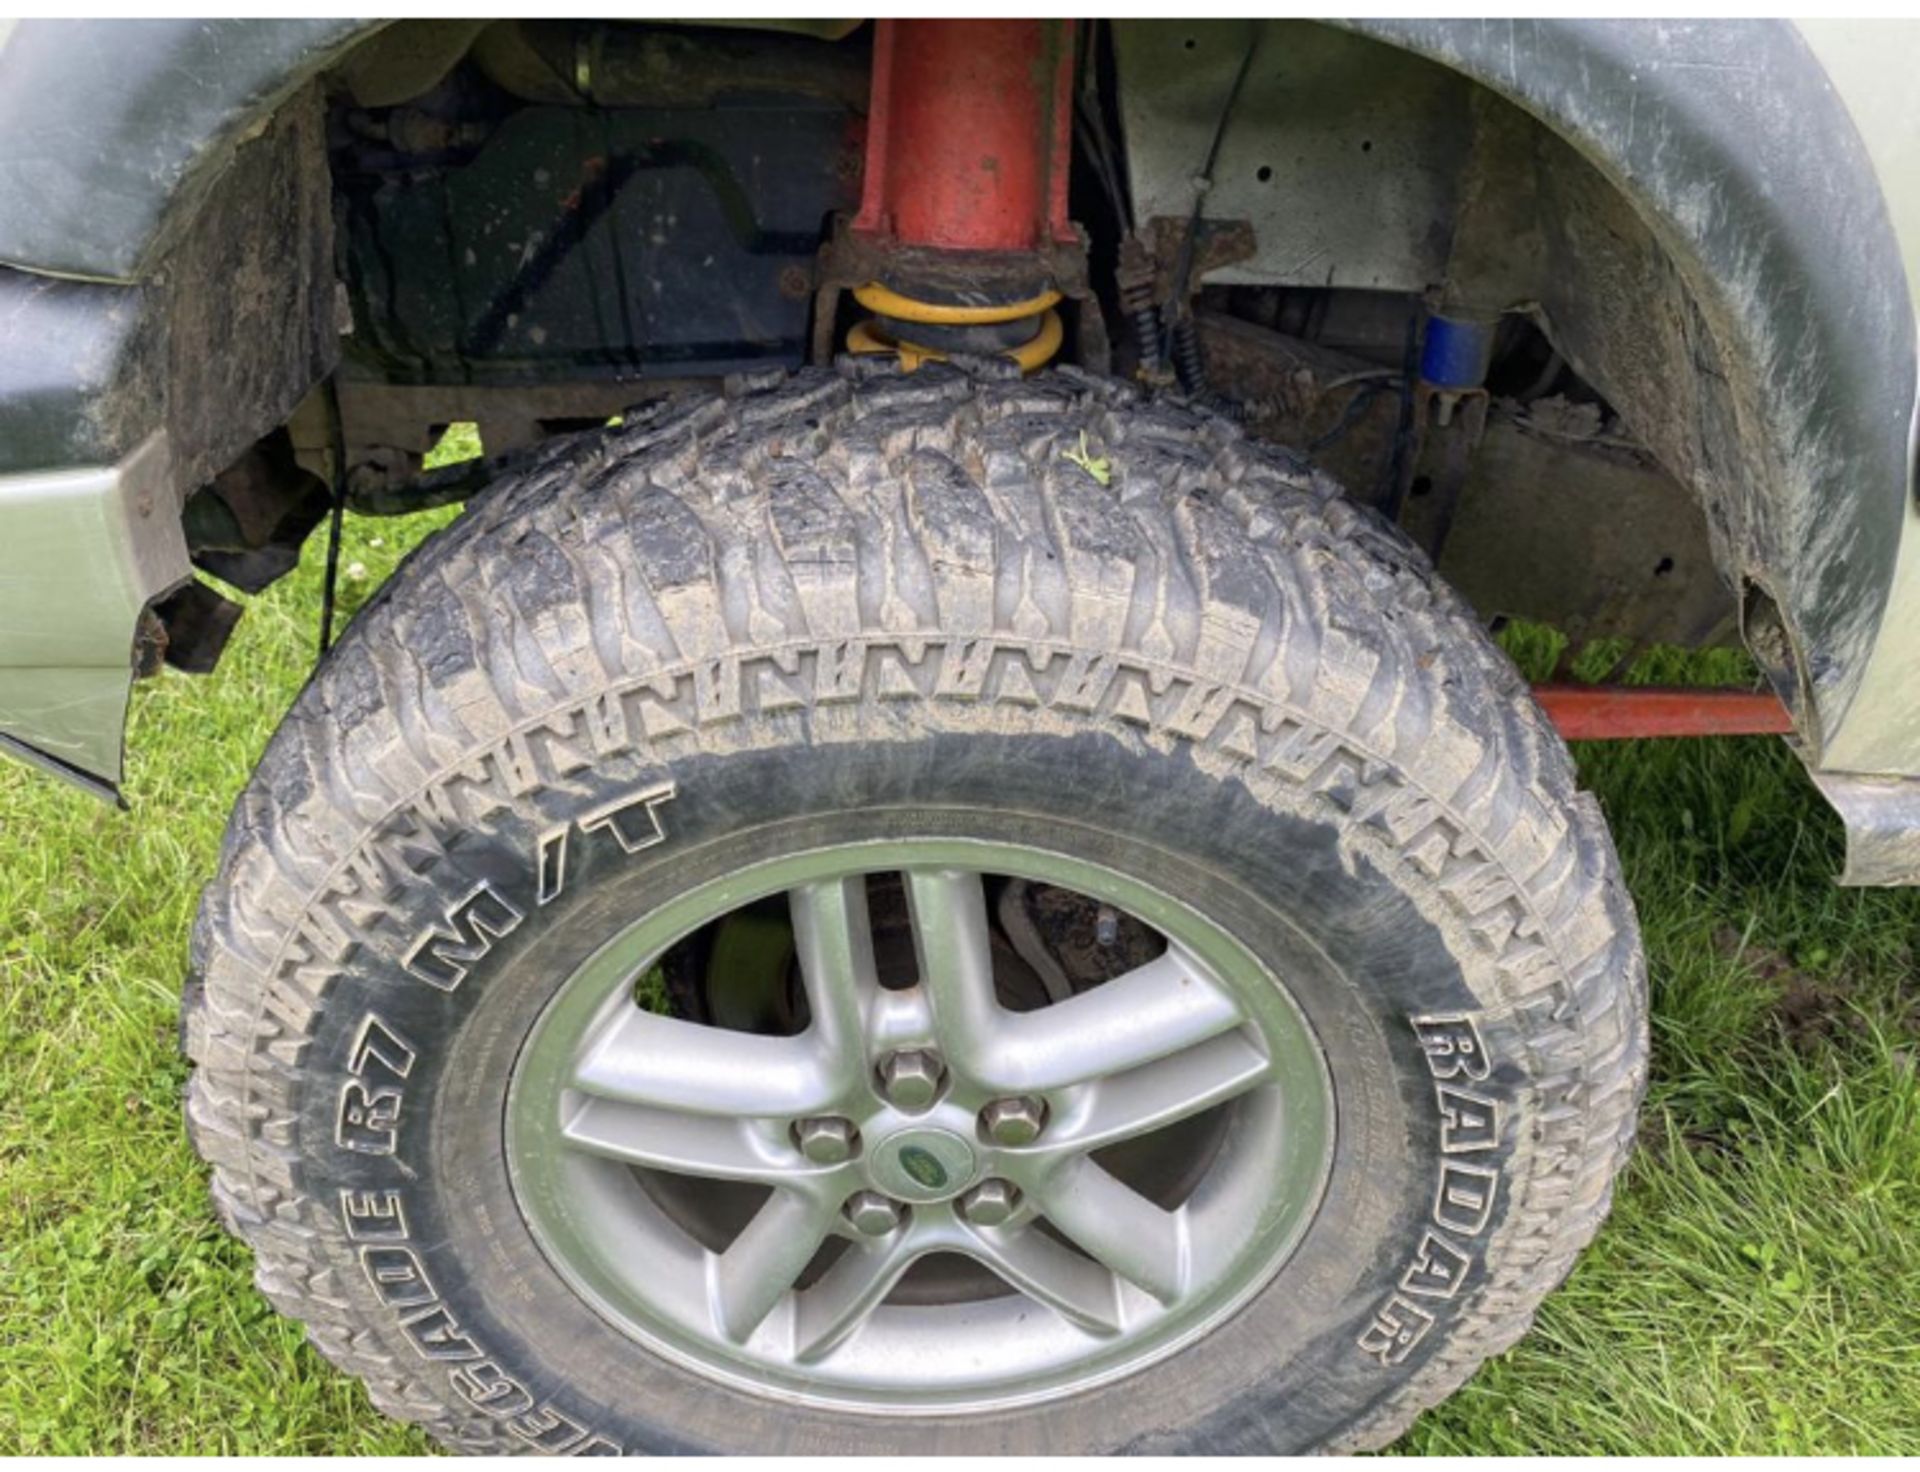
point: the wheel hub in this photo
(923, 1164)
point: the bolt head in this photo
(990, 1203)
(872, 1213)
(826, 1141)
(1013, 1121)
(912, 1078)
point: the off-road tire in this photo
(826, 577)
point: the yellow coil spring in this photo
(867, 337)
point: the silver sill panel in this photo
(81, 553)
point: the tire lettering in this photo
(399, 1279)
(632, 821)
(487, 1387)
(435, 1333)
(548, 1430)
(396, 1275)
(1468, 1122)
(372, 1216)
(1463, 1194)
(443, 956)
(369, 1119)
(1463, 1200)
(1452, 1045)
(1437, 1270)
(378, 1046)
(550, 865)
(1398, 1325)
(632, 831)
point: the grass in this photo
(1756, 1290)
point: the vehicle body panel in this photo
(1872, 65)
(63, 692)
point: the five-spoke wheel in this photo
(817, 1207)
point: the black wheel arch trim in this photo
(112, 131)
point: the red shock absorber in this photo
(964, 206)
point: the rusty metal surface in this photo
(409, 418)
(1556, 517)
(1704, 246)
(1626, 712)
(1592, 537)
(1714, 226)
(1339, 409)
(849, 260)
(1217, 245)
(247, 525)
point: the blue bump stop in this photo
(1456, 352)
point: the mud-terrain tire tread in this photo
(849, 503)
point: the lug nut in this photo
(1013, 1121)
(872, 1213)
(825, 1141)
(911, 1078)
(990, 1203)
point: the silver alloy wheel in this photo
(804, 1302)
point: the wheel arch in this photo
(1730, 145)
(112, 133)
